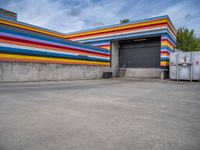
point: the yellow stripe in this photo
(84, 33)
(88, 32)
(164, 63)
(173, 29)
(30, 28)
(167, 44)
(117, 28)
(32, 58)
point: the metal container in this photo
(185, 66)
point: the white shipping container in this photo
(185, 66)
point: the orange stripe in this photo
(110, 29)
(105, 47)
(163, 42)
(127, 30)
(50, 48)
(172, 28)
(28, 27)
(45, 61)
(164, 64)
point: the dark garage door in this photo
(141, 53)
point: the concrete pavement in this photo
(106, 114)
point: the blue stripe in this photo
(119, 25)
(30, 25)
(171, 22)
(98, 42)
(66, 42)
(131, 35)
(115, 25)
(48, 54)
(169, 38)
(170, 35)
(164, 59)
(166, 47)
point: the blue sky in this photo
(74, 15)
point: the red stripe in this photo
(171, 28)
(45, 44)
(164, 52)
(117, 30)
(49, 48)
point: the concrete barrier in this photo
(18, 72)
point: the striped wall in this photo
(100, 44)
(20, 42)
(167, 46)
(118, 31)
(158, 26)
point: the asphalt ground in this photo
(111, 114)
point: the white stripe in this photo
(41, 50)
(49, 42)
(121, 33)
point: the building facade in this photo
(141, 47)
(31, 53)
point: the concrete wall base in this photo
(115, 57)
(17, 72)
(143, 72)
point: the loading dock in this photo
(139, 57)
(139, 48)
(140, 53)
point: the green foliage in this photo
(187, 40)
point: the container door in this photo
(196, 66)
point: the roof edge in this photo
(30, 25)
(131, 22)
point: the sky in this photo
(74, 15)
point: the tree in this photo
(187, 40)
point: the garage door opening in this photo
(140, 53)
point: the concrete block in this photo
(143, 72)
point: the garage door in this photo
(140, 53)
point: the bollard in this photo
(162, 75)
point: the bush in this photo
(187, 40)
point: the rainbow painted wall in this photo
(158, 26)
(21, 42)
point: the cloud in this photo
(73, 15)
(74, 12)
(185, 14)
